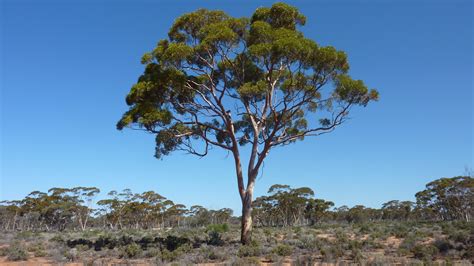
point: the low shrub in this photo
(327, 255)
(27, 235)
(132, 250)
(306, 260)
(37, 249)
(220, 228)
(3, 251)
(357, 256)
(381, 260)
(408, 242)
(169, 256)
(215, 239)
(443, 245)
(172, 255)
(152, 253)
(460, 236)
(246, 261)
(71, 254)
(272, 257)
(82, 248)
(58, 238)
(17, 252)
(174, 242)
(365, 228)
(251, 250)
(283, 250)
(424, 252)
(104, 242)
(212, 253)
(337, 251)
(72, 243)
(309, 242)
(469, 253)
(40, 253)
(400, 231)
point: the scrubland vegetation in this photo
(380, 242)
(291, 226)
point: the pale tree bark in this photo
(246, 228)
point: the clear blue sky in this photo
(67, 66)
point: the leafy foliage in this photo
(262, 66)
(448, 198)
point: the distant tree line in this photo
(74, 209)
(443, 199)
(77, 209)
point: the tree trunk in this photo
(246, 230)
(246, 233)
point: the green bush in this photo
(82, 248)
(365, 228)
(37, 249)
(400, 231)
(460, 236)
(58, 238)
(174, 242)
(252, 250)
(71, 254)
(309, 242)
(408, 243)
(305, 260)
(267, 232)
(169, 256)
(337, 251)
(327, 254)
(211, 253)
(357, 256)
(272, 257)
(215, 232)
(152, 253)
(469, 253)
(247, 261)
(220, 228)
(283, 250)
(443, 245)
(3, 251)
(215, 239)
(132, 250)
(40, 253)
(17, 252)
(27, 235)
(424, 252)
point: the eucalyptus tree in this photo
(114, 207)
(317, 209)
(289, 203)
(263, 211)
(448, 199)
(220, 81)
(397, 210)
(200, 216)
(284, 206)
(9, 214)
(176, 213)
(152, 207)
(223, 215)
(84, 197)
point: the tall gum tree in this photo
(220, 81)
